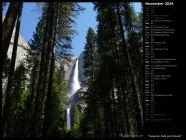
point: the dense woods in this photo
(34, 94)
(114, 65)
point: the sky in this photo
(86, 19)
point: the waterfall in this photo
(68, 118)
(75, 80)
(74, 86)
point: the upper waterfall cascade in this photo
(75, 85)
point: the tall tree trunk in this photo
(135, 86)
(30, 100)
(123, 118)
(52, 65)
(8, 26)
(42, 74)
(34, 76)
(7, 106)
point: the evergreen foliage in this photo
(35, 92)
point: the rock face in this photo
(21, 49)
(21, 52)
(69, 64)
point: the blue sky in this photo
(86, 19)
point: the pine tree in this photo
(36, 126)
(6, 110)
(56, 105)
(62, 18)
(114, 87)
(75, 121)
(32, 66)
(89, 66)
(52, 62)
(48, 46)
(18, 97)
(89, 54)
(134, 84)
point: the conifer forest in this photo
(48, 92)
